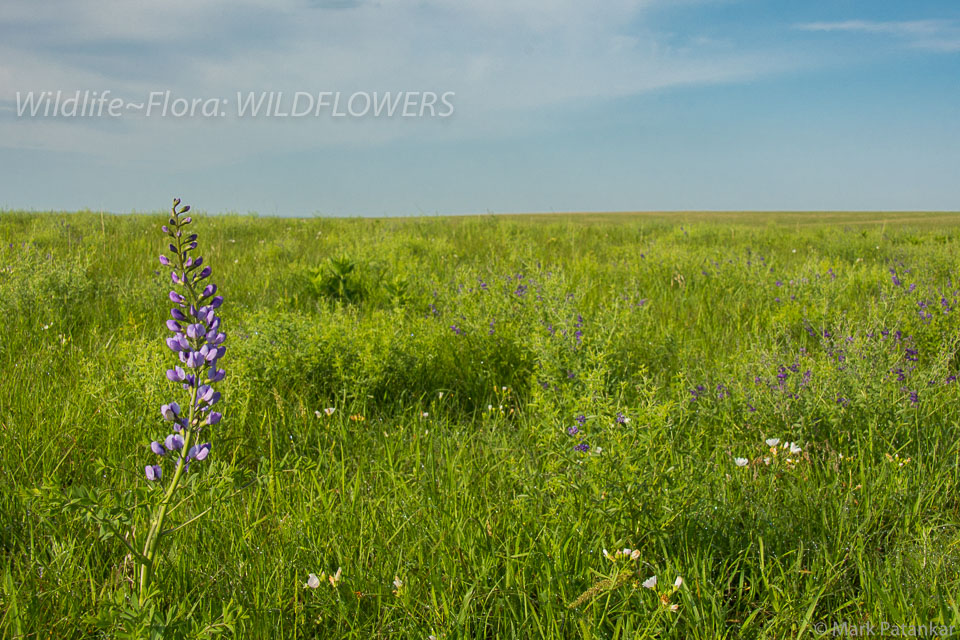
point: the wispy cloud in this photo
(932, 35)
(507, 60)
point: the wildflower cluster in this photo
(313, 580)
(789, 449)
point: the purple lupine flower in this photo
(154, 472)
(157, 448)
(170, 411)
(174, 442)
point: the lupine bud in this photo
(172, 247)
(177, 298)
(216, 302)
(213, 418)
(188, 263)
(157, 448)
(205, 272)
(174, 278)
(174, 326)
(154, 472)
(163, 259)
(202, 451)
(177, 314)
(174, 442)
(173, 343)
(208, 291)
(175, 375)
(199, 260)
(216, 376)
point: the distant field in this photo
(513, 395)
(917, 218)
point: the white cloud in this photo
(932, 35)
(507, 61)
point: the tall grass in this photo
(457, 367)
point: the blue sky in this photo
(558, 106)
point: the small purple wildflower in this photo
(622, 419)
(573, 430)
(581, 419)
(583, 447)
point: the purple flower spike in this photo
(174, 442)
(213, 418)
(154, 472)
(164, 260)
(157, 448)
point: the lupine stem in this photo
(153, 537)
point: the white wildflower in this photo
(741, 462)
(650, 582)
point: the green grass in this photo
(477, 500)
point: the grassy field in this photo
(513, 395)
